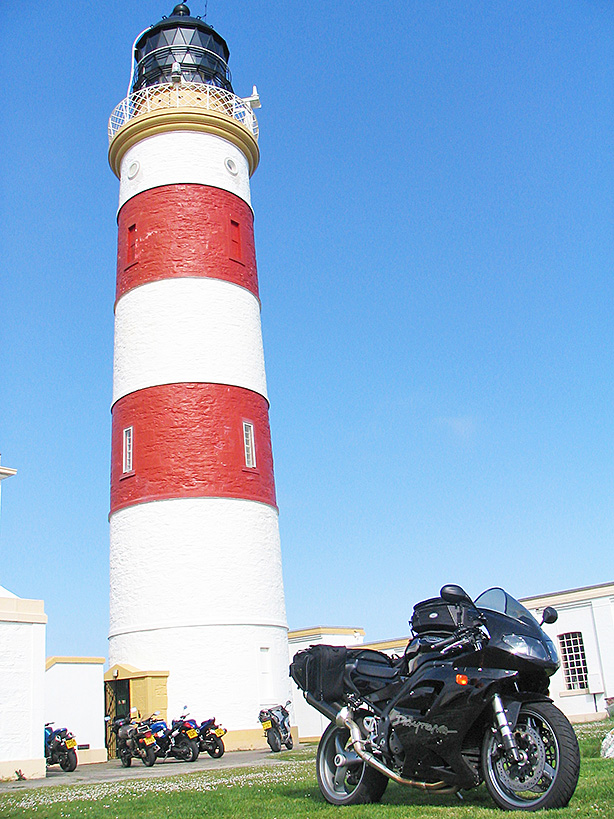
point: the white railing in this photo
(183, 95)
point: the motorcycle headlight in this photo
(527, 647)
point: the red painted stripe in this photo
(188, 443)
(185, 230)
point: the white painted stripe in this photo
(227, 550)
(193, 584)
(190, 157)
(188, 330)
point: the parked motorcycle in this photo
(276, 725)
(467, 702)
(135, 740)
(180, 740)
(210, 737)
(60, 747)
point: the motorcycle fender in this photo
(513, 704)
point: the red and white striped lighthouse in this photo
(196, 583)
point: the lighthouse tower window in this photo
(131, 248)
(127, 450)
(248, 442)
(236, 250)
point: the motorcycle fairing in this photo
(431, 716)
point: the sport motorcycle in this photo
(60, 747)
(210, 737)
(466, 703)
(179, 740)
(276, 725)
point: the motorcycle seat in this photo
(375, 664)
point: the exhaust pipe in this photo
(344, 720)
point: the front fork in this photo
(512, 751)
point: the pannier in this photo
(319, 670)
(435, 615)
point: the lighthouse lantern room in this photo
(195, 560)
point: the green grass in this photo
(288, 790)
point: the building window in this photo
(248, 442)
(574, 660)
(131, 250)
(236, 251)
(128, 449)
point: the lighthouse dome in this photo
(185, 44)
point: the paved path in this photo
(112, 771)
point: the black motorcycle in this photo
(179, 740)
(276, 725)
(60, 748)
(467, 702)
(134, 741)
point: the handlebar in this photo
(473, 637)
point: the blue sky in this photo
(434, 232)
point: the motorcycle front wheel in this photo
(343, 778)
(149, 757)
(125, 758)
(68, 761)
(289, 743)
(215, 747)
(548, 776)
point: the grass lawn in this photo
(288, 790)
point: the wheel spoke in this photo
(339, 780)
(339, 746)
(549, 772)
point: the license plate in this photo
(219, 732)
(192, 733)
(148, 740)
(71, 743)
(266, 725)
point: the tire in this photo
(125, 757)
(215, 747)
(68, 761)
(150, 756)
(289, 743)
(549, 777)
(274, 739)
(353, 784)
(186, 750)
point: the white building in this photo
(22, 687)
(584, 637)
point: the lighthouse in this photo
(195, 562)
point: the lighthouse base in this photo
(196, 591)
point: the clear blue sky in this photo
(435, 237)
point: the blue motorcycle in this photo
(60, 748)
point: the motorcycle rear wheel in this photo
(68, 761)
(353, 784)
(273, 737)
(550, 775)
(150, 757)
(215, 747)
(186, 750)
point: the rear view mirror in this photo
(549, 615)
(452, 593)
